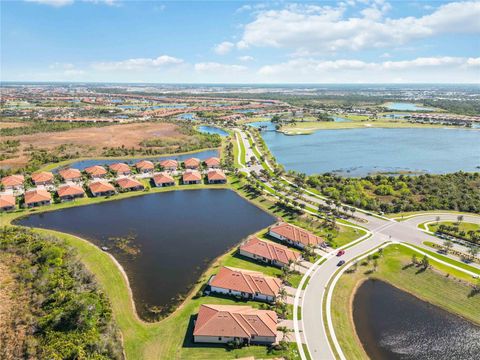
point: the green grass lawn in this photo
(462, 226)
(403, 215)
(243, 152)
(430, 285)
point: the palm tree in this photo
(473, 251)
(437, 219)
(282, 294)
(460, 218)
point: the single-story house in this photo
(212, 162)
(192, 163)
(71, 174)
(101, 188)
(169, 164)
(130, 184)
(7, 202)
(268, 252)
(222, 324)
(42, 178)
(246, 284)
(70, 192)
(216, 176)
(96, 171)
(37, 197)
(13, 182)
(192, 177)
(163, 179)
(120, 169)
(145, 166)
(294, 235)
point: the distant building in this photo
(170, 165)
(130, 184)
(216, 176)
(71, 174)
(163, 179)
(7, 202)
(192, 163)
(38, 197)
(96, 171)
(70, 192)
(120, 169)
(212, 163)
(145, 166)
(268, 252)
(42, 178)
(192, 177)
(13, 182)
(294, 235)
(101, 188)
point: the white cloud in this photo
(55, 3)
(246, 58)
(137, 63)
(325, 28)
(217, 67)
(223, 48)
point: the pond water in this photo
(264, 125)
(359, 152)
(340, 119)
(82, 164)
(188, 116)
(212, 130)
(393, 324)
(178, 234)
(404, 106)
(247, 111)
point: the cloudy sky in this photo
(349, 41)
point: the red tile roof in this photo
(296, 234)
(7, 201)
(101, 187)
(96, 170)
(192, 176)
(246, 281)
(120, 168)
(13, 180)
(37, 195)
(69, 174)
(127, 183)
(192, 162)
(162, 178)
(169, 163)
(269, 250)
(70, 190)
(216, 175)
(235, 321)
(43, 176)
(213, 161)
(145, 165)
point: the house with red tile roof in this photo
(38, 197)
(70, 192)
(268, 252)
(7, 202)
(70, 174)
(192, 163)
(96, 171)
(120, 169)
(13, 182)
(129, 184)
(192, 177)
(145, 166)
(163, 179)
(216, 176)
(246, 284)
(222, 324)
(294, 235)
(212, 162)
(170, 165)
(101, 188)
(42, 178)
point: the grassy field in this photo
(393, 267)
(462, 226)
(242, 150)
(404, 215)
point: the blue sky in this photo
(350, 41)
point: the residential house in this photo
(216, 176)
(129, 184)
(145, 167)
(222, 324)
(212, 162)
(192, 177)
(246, 284)
(38, 197)
(163, 179)
(42, 178)
(169, 165)
(120, 169)
(268, 252)
(70, 192)
(7, 202)
(96, 171)
(71, 174)
(294, 235)
(192, 163)
(101, 188)
(13, 182)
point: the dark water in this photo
(82, 164)
(178, 234)
(212, 130)
(393, 324)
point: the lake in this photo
(359, 152)
(82, 164)
(393, 324)
(212, 130)
(178, 234)
(403, 106)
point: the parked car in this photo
(341, 252)
(341, 262)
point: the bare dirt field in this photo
(9, 125)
